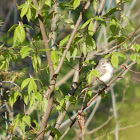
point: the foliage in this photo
(34, 66)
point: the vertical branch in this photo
(45, 39)
(53, 75)
(68, 103)
(115, 113)
(72, 37)
(50, 63)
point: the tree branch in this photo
(99, 93)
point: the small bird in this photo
(106, 71)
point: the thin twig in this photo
(115, 47)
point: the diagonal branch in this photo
(53, 76)
(99, 93)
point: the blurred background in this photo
(126, 91)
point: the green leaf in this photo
(95, 5)
(43, 50)
(26, 98)
(67, 97)
(96, 73)
(120, 39)
(19, 34)
(29, 14)
(57, 133)
(25, 83)
(114, 61)
(120, 54)
(36, 62)
(76, 4)
(85, 24)
(24, 10)
(89, 93)
(91, 74)
(115, 26)
(60, 104)
(107, 56)
(48, 2)
(90, 43)
(22, 125)
(129, 25)
(32, 102)
(36, 8)
(25, 51)
(74, 53)
(64, 41)
(13, 98)
(21, 6)
(111, 11)
(84, 49)
(137, 47)
(54, 57)
(89, 77)
(27, 120)
(100, 20)
(16, 121)
(32, 86)
(72, 100)
(67, 5)
(111, 38)
(91, 28)
(69, 21)
(133, 57)
(37, 125)
(68, 56)
(38, 96)
(12, 28)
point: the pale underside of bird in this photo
(106, 74)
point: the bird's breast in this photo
(106, 77)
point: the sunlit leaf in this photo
(74, 53)
(54, 57)
(25, 83)
(76, 3)
(64, 41)
(85, 24)
(133, 57)
(48, 2)
(24, 10)
(25, 51)
(137, 47)
(27, 120)
(91, 28)
(12, 28)
(68, 56)
(114, 61)
(100, 20)
(120, 54)
(19, 34)
(95, 5)
(111, 11)
(13, 98)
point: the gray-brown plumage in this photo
(106, 73)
